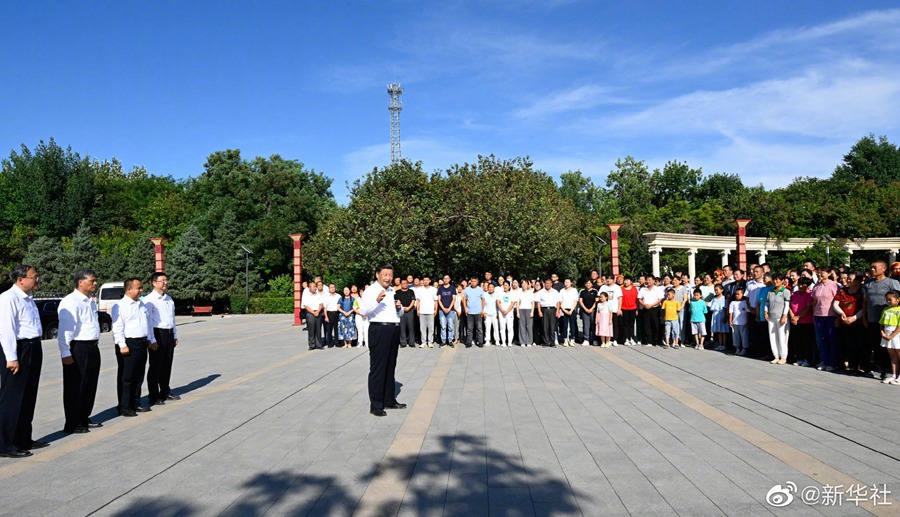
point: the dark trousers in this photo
(384, 342)
(759, 339)
(875, 356)
(80, 383)
(568, 326)
(549, 321)
(18, 395)
(851, 340)
(617, 328)
(314, 330)
(408, 328)
(160, 371)
(651, 326)
(130, 376)
(802, 342)
(627, 319)
(331, 329)
(462, 324)
(474, 330)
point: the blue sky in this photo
(767, 90)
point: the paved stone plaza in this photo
(267, 427)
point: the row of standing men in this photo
(142, 327)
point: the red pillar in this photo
(742, 243)
(614, 246)
(160, 253)
(298, 274)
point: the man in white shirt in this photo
(548, 300)
(650, 298)
(312, 302)
(383, 312)
(426, 305)
(21, 358)
(568, 325)
(162, 320)
(78, 339)
(330, 300)
(132, 335)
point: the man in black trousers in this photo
(132, 334)
(161, 308)
(383, 312)
(78, 339)
(21, 358)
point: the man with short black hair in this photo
(312, 302)
(161, 308)
(78, 338)
(330, 301)
(132, 335)
(426, 303)
(407, 299)
(874, 303)
(21, 358)
(549, 300)
(382, 311)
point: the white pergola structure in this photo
(656, 242)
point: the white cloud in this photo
(579, 98)
(836, 102)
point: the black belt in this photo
(163, 330)
(377, 323)
(85, 341)
(29, 340)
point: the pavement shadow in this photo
(195, 385)
(455, 480)
(463, 477)
(157, 507)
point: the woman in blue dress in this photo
(346, 320)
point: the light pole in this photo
(600, 256)
(247, 254)
(828, 241)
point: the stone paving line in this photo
(493, 431)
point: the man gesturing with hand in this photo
(383, 312)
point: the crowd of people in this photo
(835, 320)
(143, 328)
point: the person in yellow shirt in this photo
(672, 307)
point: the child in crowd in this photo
(604, 320)
(737, 319)
(890, 328)
(719, 325)
(698, 319)
(672, 309)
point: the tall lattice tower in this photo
(394, 90)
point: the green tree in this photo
(46, 255)
(224, 258)
(675, 182)
(871, 158)
(185, 266)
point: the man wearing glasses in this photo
(161, 310)
(21, 358)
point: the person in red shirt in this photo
(848, 303)
(629, 310)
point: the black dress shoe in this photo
(173, 397)
(142, 409)
(37, 445)
(127, 412)
(15, 454)
(396, 405)
(93, 425)
(158, 403)
(378, 412)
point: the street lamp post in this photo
(247, 254)
(600, 256)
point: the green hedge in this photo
(262, 305)
(271, 305)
